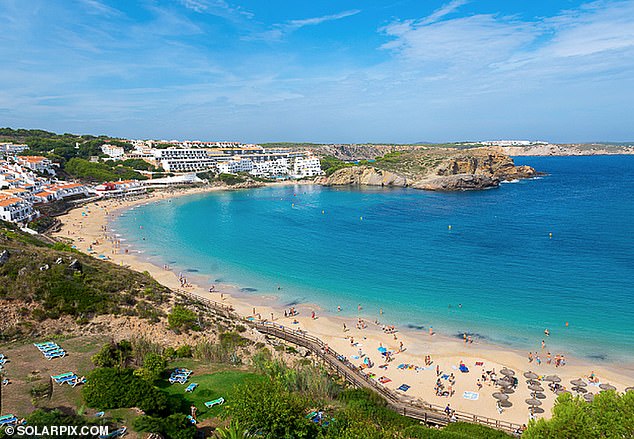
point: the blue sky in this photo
(323, 71)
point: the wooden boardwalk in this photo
(410, 407)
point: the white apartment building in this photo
(237, 164)
(8, 149)
(113, 151)
(16, 210)
(270, 168)
(184, 160)
(308, 166)
(36, 163)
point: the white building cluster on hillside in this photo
(512, 142)
(27, 181)
(226, 157)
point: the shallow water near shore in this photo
(495, 273)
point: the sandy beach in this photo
(87, 228)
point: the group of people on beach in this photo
(292, 312)
(183, 281)
(559, 359)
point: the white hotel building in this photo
(184, 160)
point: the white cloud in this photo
(444, 10)
(280, 30)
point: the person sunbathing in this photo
(593, 378)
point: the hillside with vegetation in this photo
(41, 281)
(72, 152)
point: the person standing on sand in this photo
(431, 330)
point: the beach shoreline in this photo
(88, 225)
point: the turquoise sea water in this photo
(393, 249)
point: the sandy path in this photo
(87, 227)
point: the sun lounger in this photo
(65, 378)
(68, 380)
(8, 420)
(191, 419)
(61, 376)
(191, 387)
(59, 354)
(117, 433)
(179, 380)
(48, 349)
(403, 387)
(38, 345)
(219, 401)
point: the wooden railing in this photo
(416, 409)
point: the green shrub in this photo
(184, 351)
(609, 415)
(265, 408)
(111, 388)
(175, 426)
(182, 319)
(113, 355)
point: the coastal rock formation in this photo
(363, 175)
(439, 169)
(495, 165)
(459, 182)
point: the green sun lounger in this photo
(61, 376)
(219, 401)
(8, 419)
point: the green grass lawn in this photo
(210, 387)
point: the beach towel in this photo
(401, 366)
(463, 368)
(384, 380)
(445, 376)
(471, 396)
(479, 363)
(382, 349)
(403, 387)
(454, 367)
(354, 357)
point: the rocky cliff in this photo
(442, 170)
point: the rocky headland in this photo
(437, 170)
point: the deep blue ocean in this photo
(496, 272)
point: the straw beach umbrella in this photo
(533, 402)
(504, 382)
(579, 390)
(629, 389)
(536, 388)
(506, 403)
(500, 396)
(588, 397)
(508, 390)
(530, 375)
(553, 379)
(507, 372)
(560, 391)
(538, 395)
(578, 383)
